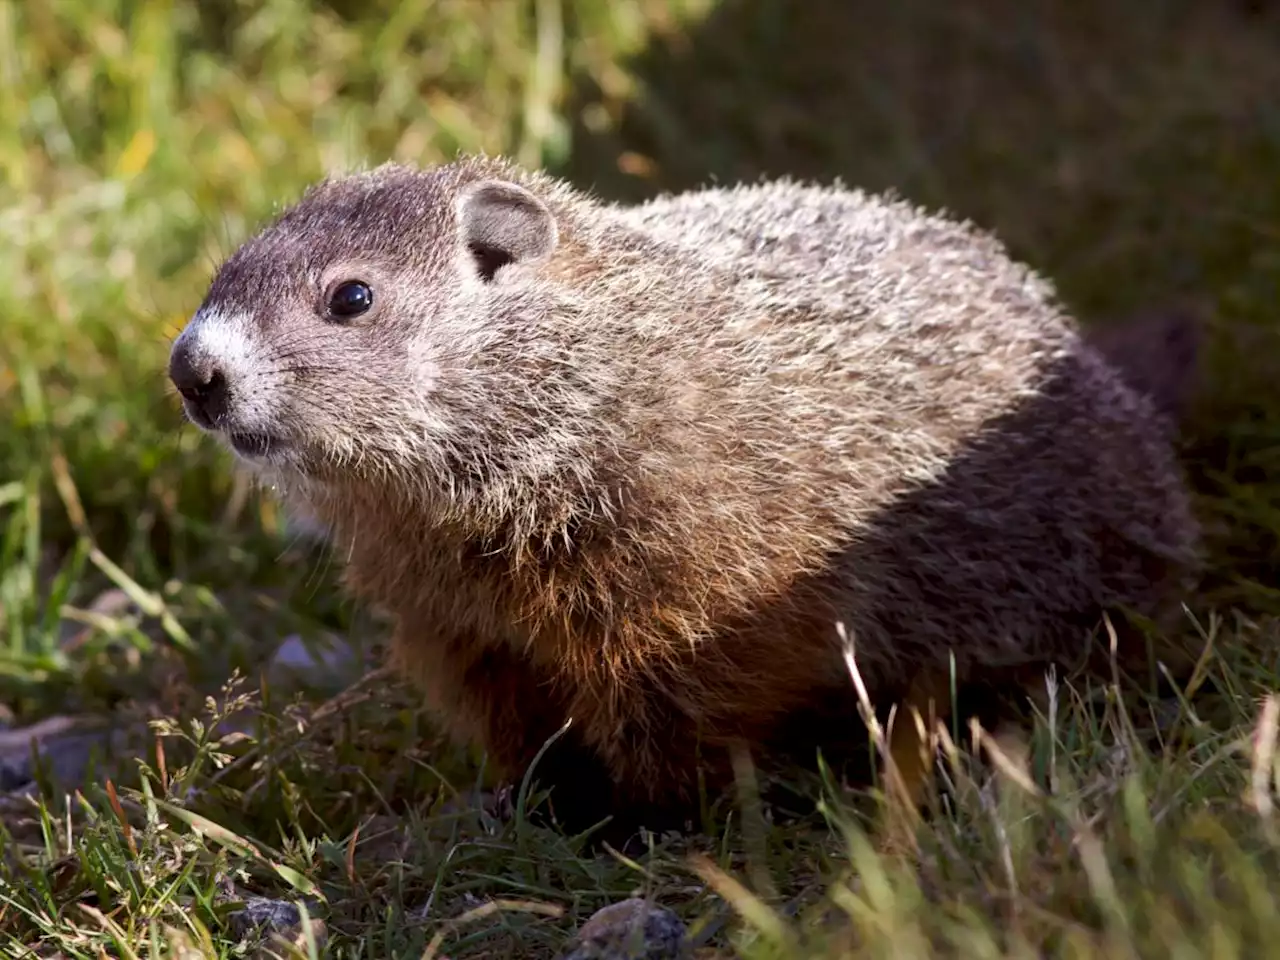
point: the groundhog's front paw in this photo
(576, 803)
(611, 820)
(578, 796)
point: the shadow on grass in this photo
(1132, 152)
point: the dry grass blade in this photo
(140, 142)
(483, 911)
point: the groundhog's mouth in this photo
(255, 445)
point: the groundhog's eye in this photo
(350, 299)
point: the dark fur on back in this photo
(631, 465)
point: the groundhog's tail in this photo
(1158, 352)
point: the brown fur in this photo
(637, 476)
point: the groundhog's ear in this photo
(504, 223)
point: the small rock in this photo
(264, 919)
(66, 746)
(633, 929)
(326, 662)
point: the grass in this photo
(1133, 154)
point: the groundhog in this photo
(634, 468)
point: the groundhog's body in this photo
(638, 475)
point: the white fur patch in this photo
(227, 338)
(254, 377)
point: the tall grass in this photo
(140, 141)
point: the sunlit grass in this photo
(140, 141)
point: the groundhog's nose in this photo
(202, 385)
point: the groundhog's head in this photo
(393, 323)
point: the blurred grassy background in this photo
(1132, 151)
(139, 141)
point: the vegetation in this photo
(1131, 151)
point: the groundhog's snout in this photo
(201, 382)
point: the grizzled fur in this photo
(630, 466)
